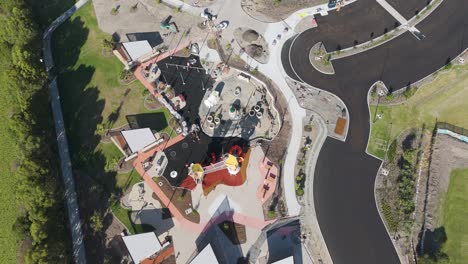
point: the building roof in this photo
(288, 260)
(136, 49)
(137, 139)
(207, 255)
(141, 246)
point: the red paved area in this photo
(269, 173)
(236, 217)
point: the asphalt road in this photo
(408, 9)
(345, 174)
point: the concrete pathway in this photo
(314, 239)
(79, 253)
(392, 11)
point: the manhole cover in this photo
(185, 145)
(173, 154)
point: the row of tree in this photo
(406, 182)
(42, 215)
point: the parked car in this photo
(331, 3)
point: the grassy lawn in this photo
(443, 99)
(456, 217)
(92, 97)
(124, 216)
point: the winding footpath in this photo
(345, 173)
(79, 253)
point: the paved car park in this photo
(344, 194)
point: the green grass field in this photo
(444, 99)
(8, 206)
(456, 217)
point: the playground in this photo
(239, 106)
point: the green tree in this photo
(96, 222)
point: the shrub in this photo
(108, 43)
(389, 216)
(409, 92)
(390, 97)
(271, 214)
(301, 162)
(96, 222)
(125, 74)
(300, 192)
(114, 11)
(144, 92)
(308, 128)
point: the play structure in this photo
(226, 170)
(166, 24)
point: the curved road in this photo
(345, 174)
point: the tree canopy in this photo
(23, 78)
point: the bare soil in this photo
(448, 154)
(274, 11)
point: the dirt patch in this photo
(253, 44)
(448, 154)
(274, 11)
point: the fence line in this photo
(453, 128)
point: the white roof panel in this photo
(136, 49)
(288, 260)
(142, 246)
(207, 255)
(137, 139)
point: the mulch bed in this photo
(234, 231)
(151, 103)
(179, 197)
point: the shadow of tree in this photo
(45, 12)
(433, 243)
(82, 111)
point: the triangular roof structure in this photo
(137, 139)
(141, 246)
(207, 255)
